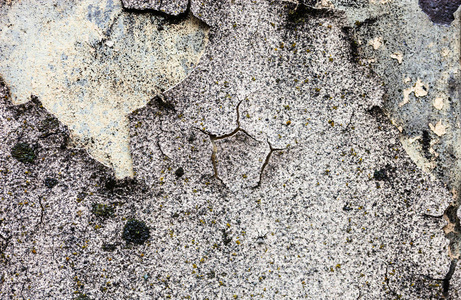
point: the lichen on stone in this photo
(23, 152)
(102, 210)
(135, 232)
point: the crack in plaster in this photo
(448, 276)
(266, 162)
(214, 154)
(214, 138)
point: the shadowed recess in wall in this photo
(440, 11)
(91, 63)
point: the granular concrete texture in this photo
(270, 171)
(173, 8)
(420, 69)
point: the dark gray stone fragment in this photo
(440, 11)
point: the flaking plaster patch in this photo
(439, 129)
(419, 89)
(398, 56)
(91, 63)
(438, 103)
(376, 42)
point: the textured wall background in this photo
(269, 168)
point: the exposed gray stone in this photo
(171, 7)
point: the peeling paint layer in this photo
(91, 63)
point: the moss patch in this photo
(23, 153)
(102, 210)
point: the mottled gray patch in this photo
(440, 11)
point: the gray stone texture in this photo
(169, 7)
(295, 183)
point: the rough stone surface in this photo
(294, 182)
(171, 7)
(420, 70)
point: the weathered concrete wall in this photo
(269, 168)
(88, 64)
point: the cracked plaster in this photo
(340, 211)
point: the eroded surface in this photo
(92, 63)
(331, 206)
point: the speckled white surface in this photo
(295, 183)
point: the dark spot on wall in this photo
(50, 182)
(168, 17)
(163, 104)
(49, 124)
(380, 174)
(102, 210)
(426, 144)
(109, 247)
(191, 138)
(23, 153)
(379, 114)
(353, 44)
(440, 11)
(179, 172)
(346, 207)
(226, 238)
(300, 13)
(110, 184)
(135, 232)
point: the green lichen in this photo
(102, 210)
(23, 153)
